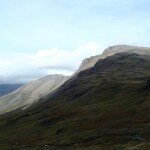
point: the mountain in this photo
(104, 107)
(90, 62)
(8, 88)
(30, 93)
(34, 91)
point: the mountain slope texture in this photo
(30, 93)
(106, 107)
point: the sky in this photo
(41, 37)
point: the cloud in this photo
(24, 67)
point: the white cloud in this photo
(22, 67)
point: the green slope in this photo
(105, 107)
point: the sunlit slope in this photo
(30, 93)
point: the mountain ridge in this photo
(31, 93)
(28, 94)
(90, 62)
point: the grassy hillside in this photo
(105, 107)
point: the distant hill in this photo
(31, 93)
(8, 88)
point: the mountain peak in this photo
(90, 62)
(126, 48)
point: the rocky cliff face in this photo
(30, 93)
(90, 62)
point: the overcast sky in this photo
(40, 37)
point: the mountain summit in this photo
(90, 62)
